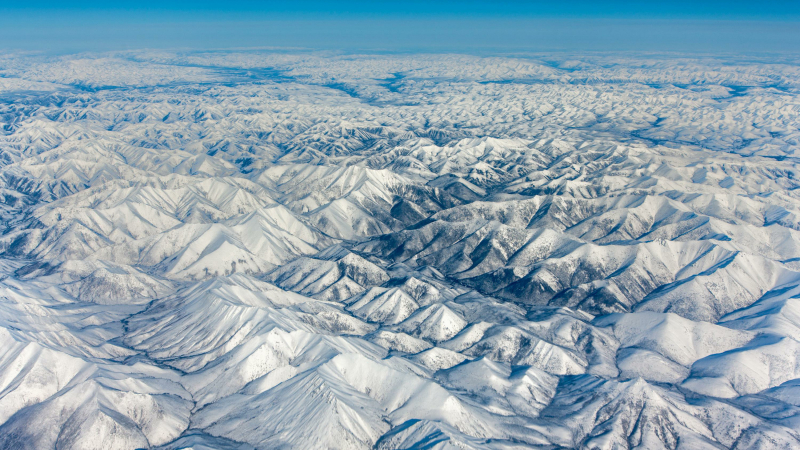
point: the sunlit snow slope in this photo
(293, 250)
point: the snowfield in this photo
(255, 250)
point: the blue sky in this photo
(412, 25)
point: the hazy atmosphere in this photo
(431, 26)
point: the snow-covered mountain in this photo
(267, 250)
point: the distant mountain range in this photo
(238, 250)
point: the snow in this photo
(257, 250)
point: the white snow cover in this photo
(275, 250)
